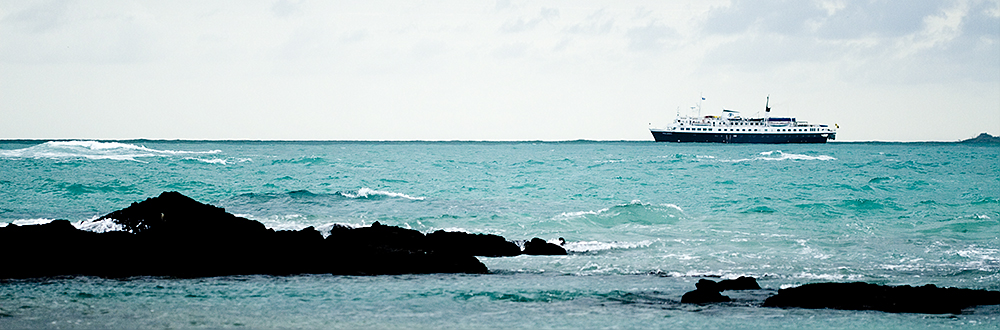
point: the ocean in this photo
(642, 222)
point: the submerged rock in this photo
(708, 291)
(928, 299)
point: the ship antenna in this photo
(701, 97)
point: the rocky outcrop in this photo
(476, 244)
(708, 291)
(538, 246)
(928, 299)
(174, 235)
(740, 283)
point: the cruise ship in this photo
(731, 127)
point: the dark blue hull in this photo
(741, 138)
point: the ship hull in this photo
(663, 136)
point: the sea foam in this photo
(91, 225)
(777, 155)
(94, 150)
(28, 222)
(594, 246)
(99, 226)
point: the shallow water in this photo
(643, 221)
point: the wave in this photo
(635, 212)
(368, 193)
(305, 201)
(92, 224)
(828, 277)
(594, 246)
(308, 161)
(28, 222)
(113, 187)
(218, 161)
(94, 150)
(777, 155)
(869, 205)
(305, 195)
(99, 226)
(522, 296)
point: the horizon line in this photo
(411, 141)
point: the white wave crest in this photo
(592, 246)
(219, 161)
(28, 222)
(98, 226)
(692, 273)
(980, 254)
(95, 150)
(578, 214)
(91, 225)
(368, 192)
(779, 155)
(829, 277)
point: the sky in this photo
(919, 70)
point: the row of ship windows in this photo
(746, 129)
(731, 123)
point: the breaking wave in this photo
(28, 222)
(94, 150)
(99, 226)
(371, 193)
(779, 155)
(594, 246)
(308, 196)
(218, 161)
(92, 224)
(635, 212)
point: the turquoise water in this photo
(643, 221)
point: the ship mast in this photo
(767, 110)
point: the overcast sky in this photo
(916, 70)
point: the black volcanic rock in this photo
(707, 292)
(741, 283)
(173, 235)
(982, 138)
(378, 237)
(382, 249)
(171, 210)
(894, 299)
(538, 246)
(703, 297)
(475, 244)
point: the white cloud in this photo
(386, 69)
(652, 36)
